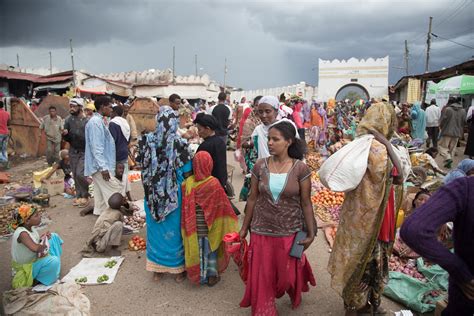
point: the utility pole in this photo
(72, 64)
(174, 57)
(196, 63)
(428, 46)
(406, 57)
(225, 72)
(18, 61)
(50, 64)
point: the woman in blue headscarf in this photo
(418, 122)
(165, 159)
(464, 169)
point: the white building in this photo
(346, 79)
(160, 83)
(301, 89)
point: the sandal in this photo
(83, 203)
(180, 278)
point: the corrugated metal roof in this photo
(13, 75)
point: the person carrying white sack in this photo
(359, 261)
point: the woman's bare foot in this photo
(180, 277)
(157, 276)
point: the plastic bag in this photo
(343, 171)
(404, 158)
(238, 250)
(434, 273)
(408, 291)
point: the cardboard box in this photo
(55, 184)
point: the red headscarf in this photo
(206, 191)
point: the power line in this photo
(449, 40)
(456, 12)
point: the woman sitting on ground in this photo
(34, 257)
(207, 216)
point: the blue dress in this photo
(165, 252)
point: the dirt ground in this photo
(135, 293)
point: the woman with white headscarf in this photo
(267, 111)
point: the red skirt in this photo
(272, 272)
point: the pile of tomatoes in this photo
(137, 243)
(328, 198)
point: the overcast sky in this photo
(266, 43)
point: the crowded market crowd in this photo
(190, 216)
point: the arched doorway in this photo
(352, 91)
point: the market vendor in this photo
(107, 232)
(427, 161)
(63, 165)
(35, 257)
(452, 202)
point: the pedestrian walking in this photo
(469, 151)
(278, 209)
(359, 261)
(4, 133)
(453, 118)
(165, 160)
(52, 124)
(433, 114)
(223, 116)
(74, 133)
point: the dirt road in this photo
(135, 293)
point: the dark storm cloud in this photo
(267, 43)
(50, 23)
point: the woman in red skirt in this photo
(279, 206)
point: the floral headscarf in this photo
(22, 214)
(161, 154)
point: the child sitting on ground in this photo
(64, 165)
(108, 228)
(119, 171)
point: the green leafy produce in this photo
(81, 280)
(103, 278)
(110, 264)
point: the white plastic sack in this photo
(405, 161)
(343, 171)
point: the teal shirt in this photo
(277, 183)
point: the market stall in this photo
(25, 137)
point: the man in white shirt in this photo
(433, 114)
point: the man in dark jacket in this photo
(120, 130)
(213, 144)
(223, 115)
(75, 134)
(453, 118)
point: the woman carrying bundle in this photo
(359, 262)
